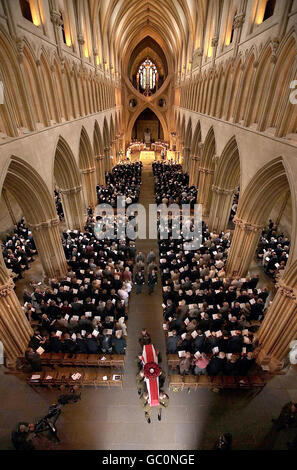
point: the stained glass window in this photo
(147, 76)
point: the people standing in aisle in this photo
(145, 338)
(139, 281)
(152, 281)
(151, 257)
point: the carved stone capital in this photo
(218, 190)
(7, 288)
(286, 291)
(207, 171)
(248, 226)
(88, 170)
(44, 225)
(239, 20)
(214, 41)
(71, 190)
(80, 39)
(56, 18)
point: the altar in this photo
(147, 156)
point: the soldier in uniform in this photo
(140, 383)
(163, 403)
(144, 403)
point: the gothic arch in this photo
(48, 87)
(14, 113)
(227, 173)
(67, 177)
(226, 181)
(264, 189)
(260, 195)
(86, 163)
(86, 156)
(284, 73)
(37, 204)
(137, 114)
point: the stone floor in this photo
(113, 419)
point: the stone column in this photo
(194, 171)
(107, 158)
(191, 168)
(244, 243)
(73, 207)
(47, 239)
(89, 183)
(221, 204)
(186, 155)
(279, 327)
(99, 162)
(15, 330)
(205, 184)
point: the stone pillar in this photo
(107, 158)
(186, 164)
(89, 184)
(194, 171)
(47, 239)
(99, 162)
(73, 207)
(243, 247)
(279, 327)
(221, 204)
(15, 330)
(205, 184)
(191, 168)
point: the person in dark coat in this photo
(216, 364)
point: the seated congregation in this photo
(87, 311)
(123, 180)
(209, 320)
(273, 250)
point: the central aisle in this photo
(145, 311)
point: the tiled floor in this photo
(113, 419)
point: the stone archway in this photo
(225, 183)
(67, 178)
(136, 116)
(86, 163)
(38, 207)
(269, 184)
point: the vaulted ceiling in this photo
(174, 24)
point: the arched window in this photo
(269, 9)
(26, 10)
(63, 27)
(232, 30)
(147, 77)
